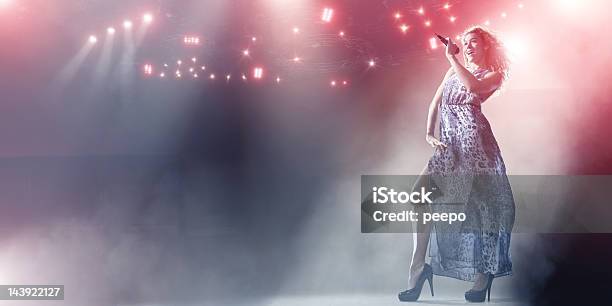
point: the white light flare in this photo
(110, 30)
(127, 24)
(92, 39)
(147, 18)
(148, 69)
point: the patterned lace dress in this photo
(471, 173)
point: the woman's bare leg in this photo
(420, 238)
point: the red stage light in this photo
(452, 18)
(428, 23)
(341, 34)
(296, 30)
(404, 28)
(446, 6)
(421, 11)
(333, 83)
(397, 15)
(371, 63)
(433, 43)
(258, 72)
(93, 39)
(328, 13)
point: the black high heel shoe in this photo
(478, 296)
(413, 294)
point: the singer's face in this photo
(473, 47)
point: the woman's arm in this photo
(432, 114)
(488, 83)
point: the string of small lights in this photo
(194, 68)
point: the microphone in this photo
(445, 42)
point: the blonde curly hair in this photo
(495, 57)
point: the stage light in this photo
(162, 75)
(404, 28)
(193, 59)
(228, 77)
(253, 39)
(433, 43)
(521, 5)
(516, 46)
(341, 34)
(147, 18)
(212, 76)
(165, 65)
(258, 72)
(428, 23)
(189, 40)
(503, 15)
(195, 75)
(278, 79)
(421, 11)
(179, 62)
(487, 22)
(328, 13)
(245, 52)
(148, 69)
(93, 39)
(110, 30)
(344, 83)
(244, 77)
(296, 59)
(452, 18)
(333, 83)
(371, 63)
(397, 15)
(191, 69)
(296, 30)
(127, 24)
(203, 67)
(5, 3)
(446, 6)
